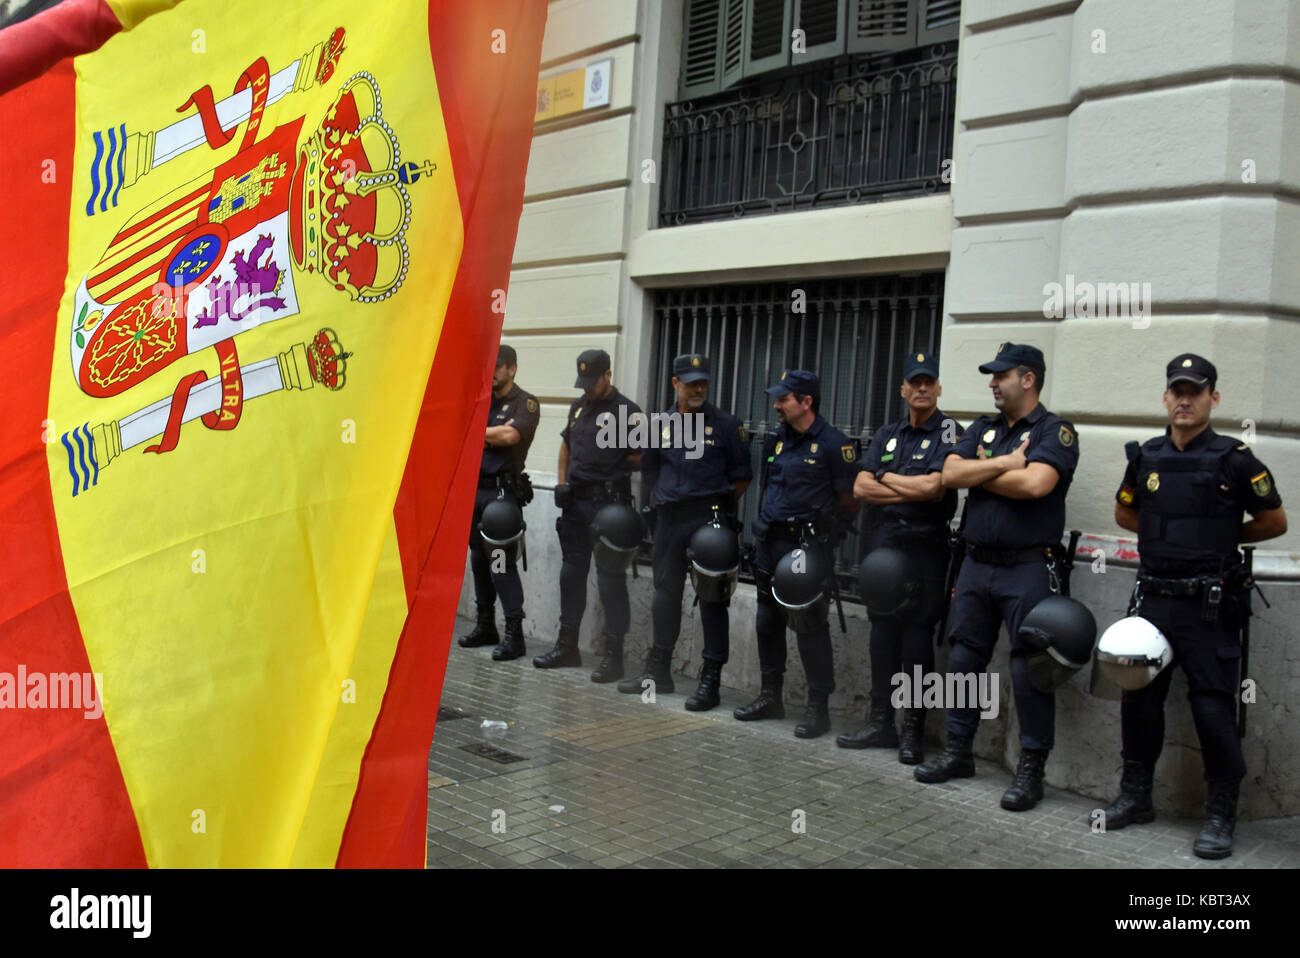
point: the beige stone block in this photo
(590, 224)
(1015, 168)
(562, 297)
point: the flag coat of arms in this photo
(249, 269)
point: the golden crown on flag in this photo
(349, 206)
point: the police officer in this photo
(902, 478)
(698, 462)
(807, 472)
(1018, 465)
(1184, 494)
(594, 469)
(511, 425)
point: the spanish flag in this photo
(249, 273)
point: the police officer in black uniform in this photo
(511, 425)
(808, 467)
(901, 476)
(1184, 494)
(1018, 465)
(592, 471)
(690, 482)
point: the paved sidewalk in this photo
(585, 776)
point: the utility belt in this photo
(702, 506)
(517, 484)
(1211, 590)
(1014, 556)
(917, 529)
(612, 490)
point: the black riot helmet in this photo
(714, 553)
(798, 585)
(616, 535)
(1060, 633)
(889, 581)
(501, 526)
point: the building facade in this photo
(835, 183)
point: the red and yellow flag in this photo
(248, 273)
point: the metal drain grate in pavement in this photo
(493, 753)
(446, 713)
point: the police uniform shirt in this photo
(805, 472)
(909, 450)
(588, 461)
(999, 522)
(722, 460)
(1243, 484)
(522, 408)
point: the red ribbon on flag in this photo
(224, 417)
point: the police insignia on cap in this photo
(920, 357)
(1261, 484)
(695, 360)
(779, 445)
(1002, 347)
(1153, 481)
(889, 446)
(1187, 363)
(925, 443)
(784, 374)
(1066, 437)
(847, 453)
(989, 434)
(532, 405)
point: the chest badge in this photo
(813, 449)
(708, 430)
(990, 435)
(1153, 481)
(925, 443)
(1024, 435)
(779, 446)
(667, 433)
(889, 446)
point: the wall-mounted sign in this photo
(573, 91)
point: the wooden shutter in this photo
(937, 21)
(880, 25)
(824, 24)
(733, 41)
(767, 35)
(701, 72)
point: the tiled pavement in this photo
(584, 776)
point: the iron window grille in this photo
(836, 133)
(854, 333)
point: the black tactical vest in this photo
(1187, 525)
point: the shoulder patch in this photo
(847, 453)
(532, 405)
(1066, 437)
(1262, 484)
(1126, 495)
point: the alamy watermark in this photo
(953, 690)
(1098, 300)
(660, 430)
(53, 690)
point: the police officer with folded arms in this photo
(808, 467)
(1018, 465)
(594, 472)
(700, 465)
(503, 488)
(901, 479)
(1184, 493)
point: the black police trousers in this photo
(770, 623)
(487, 583)
(574, 527)
(1209, 653)
(674, 526)
(901, 645)
(987, 595)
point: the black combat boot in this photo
(879, 731)
(1133, 807)
(955, 761)
(565, 652)
(485, 633)
(656, 668)
(610, 668)
(706, 696)
(816, 720)
(768, 704)
(1027, 790)
(911, 748)
(1215, 840)
(512, 643)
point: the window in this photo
(727, 41)
(853, 333)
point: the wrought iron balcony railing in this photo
(852, 131)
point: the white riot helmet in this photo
(1132, 652)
